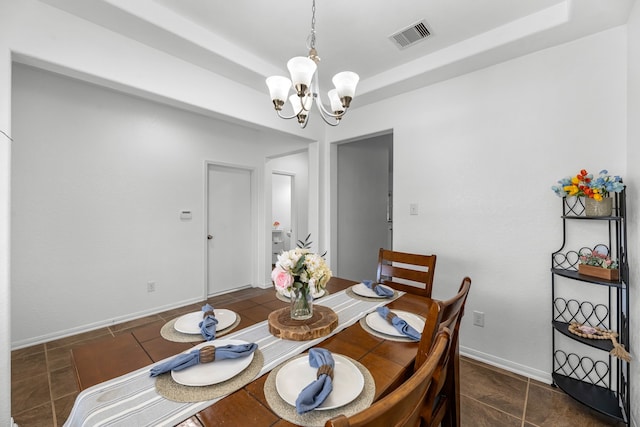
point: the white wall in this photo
(479, 154)
(98, 180)
(5, 178)
(633, 196)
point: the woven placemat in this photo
(352, 294)
(169, 333)
(168, 388)
(319, 417)
(363, 323)
(287, 299)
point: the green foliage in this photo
(306, 244)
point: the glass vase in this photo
(301, 304)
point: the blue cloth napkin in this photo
(316, 392)
(400, 324)
(208, 324)
(183, 361)
(379, 290)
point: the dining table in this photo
(121, 361)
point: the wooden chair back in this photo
(400, 408)
(407, 272)
(442, 401)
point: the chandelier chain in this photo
(311, 40)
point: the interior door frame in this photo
(333, 189)
(252, 252)
(294, 211)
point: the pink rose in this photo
(281, 278)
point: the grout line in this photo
(53, 406)
(526, 400)
(489, 406)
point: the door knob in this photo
(209, 236)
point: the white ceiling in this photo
(248, 40)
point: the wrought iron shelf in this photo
(593, 218)
(572, 274)
(600, 399)
(563, 328)
(601, 384)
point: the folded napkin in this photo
(316, 392)
(400, 324)
(379, 290)
(208, 323)
(206, 354)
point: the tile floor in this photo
(44, 386)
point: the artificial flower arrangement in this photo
(300, 270)
(597, 259)
(597, 263)
(276, 224)
(584, 184)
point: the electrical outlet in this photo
(478, 318)
(151, 286)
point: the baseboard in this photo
(97, 325)
(507, 365)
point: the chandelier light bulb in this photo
(298, 105)
(301, 69)
(336, 103)
(279, 87)
(345, 83)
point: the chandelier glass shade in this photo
(304, 81)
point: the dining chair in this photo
(442, 401)
(401, 407)
(407, 272)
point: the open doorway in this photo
(289, 201)
(362, 191)
(282, 213)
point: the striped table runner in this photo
(131, 400)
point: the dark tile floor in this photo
(44, 387)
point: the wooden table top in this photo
(389, 362)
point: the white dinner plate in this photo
(215, 372)
(380, 324)
(348, 381)
(364, 291)
(287, 294)
(188, 323)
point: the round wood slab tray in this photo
(323, 321)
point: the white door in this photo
(229, 221)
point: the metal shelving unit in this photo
(583, 367)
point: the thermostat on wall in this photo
(185, 215)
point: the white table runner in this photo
(132, 400)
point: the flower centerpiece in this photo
(301, 275)
(598, 263)
(595, 190)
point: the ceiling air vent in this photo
(410, 35)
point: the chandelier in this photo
(304, 80)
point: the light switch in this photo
(185, 215)
(413, 209)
